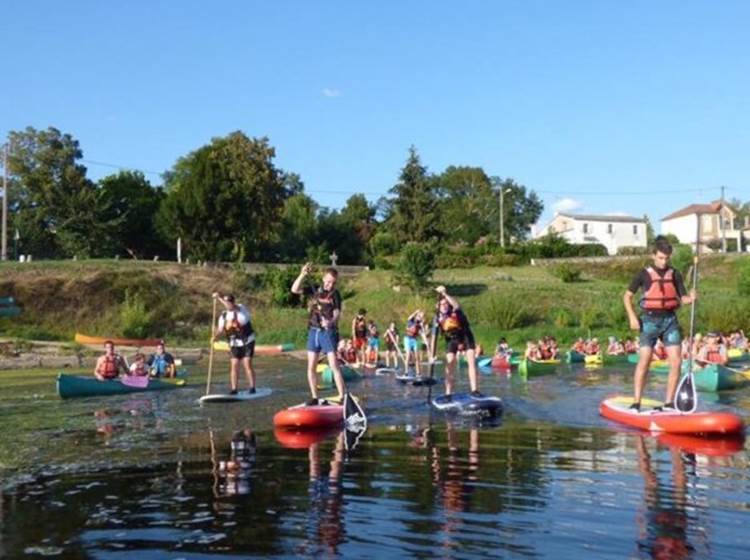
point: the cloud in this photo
(566, 204)
(331, 92)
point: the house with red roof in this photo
(711, 222)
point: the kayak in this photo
(349, 373)
(303, 439)
(100, 340)
(260, 349)
(617, 359)
(70, 386)
(500, 362)
(736, 355)
(303, 416)
(574, 357)
(675, 422)
(259, 393)
(484, 361)
(467, 405)
(541, 367)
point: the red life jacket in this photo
(714, 356)
(109, 367)
(662, 294)
(413, 328)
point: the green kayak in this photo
(528, 368)
(70, 386)
(349, 373)
(573, 357)
(715, 377)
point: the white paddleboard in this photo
(259, 393)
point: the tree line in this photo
(228, 201)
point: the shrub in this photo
(383, 243)
(562, 317)
(631, 251)
(567, 273)
(382, 262)
(415, 266)
(278, 281)
(135, 321)
(504, 313)
(682, 258)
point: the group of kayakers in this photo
(111, 365)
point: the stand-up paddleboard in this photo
(259, 393)
(465, 404)
(674, 422)
(387, 371)
(413, 379)
(328, 414)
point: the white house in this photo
(683, 224)
(611, 231)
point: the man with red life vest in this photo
(712, 352)
(235, 325)
(458, 336)
(663, 291)
(324, 303)
(359, 335)
(111, 364)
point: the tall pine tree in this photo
(414, 206)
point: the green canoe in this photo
(573, 357)
(715, 377)
(349, 373)
(70, 386)
(528, 368)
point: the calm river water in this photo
(157, 476)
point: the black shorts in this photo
(240, 352)
(464, 341)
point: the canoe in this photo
(617, 359)
(574, 357)
(541, 367)
(70, 386)
(736, 355)
(349, 373)
(484, 361)
(100, 340)
(302, 416)
(715, 377)
(500, 362)
(675, 422)
(260, 349)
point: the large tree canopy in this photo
(521, 208)
(225, 199)
(414, 206)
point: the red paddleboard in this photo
(672, 422)
(303, 416)
(302, 439)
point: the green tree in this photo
(416, 266)
(299, 228)
(224, 199)
(414, 206)
(58, 211)
(132, 204)
(360, 215)
(468, 204)
(521, 208)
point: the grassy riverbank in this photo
(173, 301)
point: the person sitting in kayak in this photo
(391, 338)
(139, 367)
(532, 352)
(630, 346)
(373, 344)
(663, 291)
(615, 347)
(111, 364)
(593, 347)
(713, 352)
(359, 335)
(579, 346)
(236, 326)
(162, 362)
(502, 349)
(414, 330)
(553, 348)
(324, 303)
(454, 325)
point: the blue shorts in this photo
(410, 344)
(322, 340)
(664, 327)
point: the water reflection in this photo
(231, 476)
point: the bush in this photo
(632, 251)
(382, 262)
(415, 266)
(383, 243)
(278, 281)
(682, 258)
(504, 313)
(567, 273)
(135, 321)
(743, 278)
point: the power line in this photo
(120, 167)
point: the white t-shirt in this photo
(242, 316)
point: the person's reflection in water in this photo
(664, 525)
(456, 482)
(104, 423)
(325, 525)
(232, 477)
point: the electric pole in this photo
(4, 241)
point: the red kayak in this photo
(500, 362)
(303, 416)
(302, 439)
(673, 422)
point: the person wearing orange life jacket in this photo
(111, 364)
(663, 291)
(415, 330)
(236, 326)
(712, 352)
(359, 335)
(455, 327)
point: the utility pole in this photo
(4, 241)
(721, 221)
(502, 216)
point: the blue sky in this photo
(583, 102)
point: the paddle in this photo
(211, 348)
(399, 352)
(135, 381)
(686, 397)
(433, 353)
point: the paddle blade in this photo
(686, 398)
(136, 381)
(354, 414)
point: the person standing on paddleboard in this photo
(458, 337)
(322, 334)
(663, 291)
(236, 326)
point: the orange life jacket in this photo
(662, 294)
(109, 367)
(714, 356)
